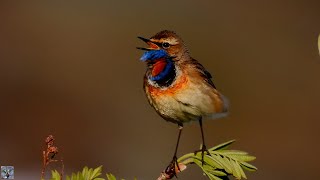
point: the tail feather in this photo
(217, 115)
(224, 112)
(225, 103)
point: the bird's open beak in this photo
(145, 49)
(152, 45)
(144, 39)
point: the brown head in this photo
(168, 41)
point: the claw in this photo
(171, 168)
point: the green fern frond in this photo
(221, 162)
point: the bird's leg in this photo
(171, 168)
(203, 148)
(177, 145)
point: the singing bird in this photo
(177, 86)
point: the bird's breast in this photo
(178, 84)
(164, 99)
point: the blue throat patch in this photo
(154, 55)
(168, 74)
(167, 70)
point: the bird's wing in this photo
(203, 72)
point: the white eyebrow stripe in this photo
(172, 41)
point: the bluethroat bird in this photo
(178, 87)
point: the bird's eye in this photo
(165, 45)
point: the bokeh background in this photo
(71, 69)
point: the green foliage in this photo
(111, 177)
(218, 164)
(221, 162)
(55, 175)
(87, 174)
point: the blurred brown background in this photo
(71, 69)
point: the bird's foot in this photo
(172, 169)
(203, 150)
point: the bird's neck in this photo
(162, 72)
(183, 56)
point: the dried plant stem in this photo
(48, 157)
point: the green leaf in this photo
(111, 177)
(213, 161)
(210, 176)
(218, 173)
(236, 152)
(55, 175)
(236, 169)
(90, 170)
(241, 171)
(209, 170)
(248, 166)
(79, 176)
(85, 171)
(236, 155)
(225, 163)
(241, 158)
(222, 146)
(96, 172)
